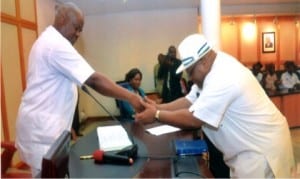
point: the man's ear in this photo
(63, 19)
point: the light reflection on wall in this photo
(249, 32)
(269, 29)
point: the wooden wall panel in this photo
(277, 101)
(291, 109)
(242, 38)
(289, 106)
(8, 7)
(229, 37)
(27, 10)
(11, 74)
(29, 36)
(248, 45)
(288, 42)
(18, 23)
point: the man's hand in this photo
(148, 100)
(136, 103)
(148, 115)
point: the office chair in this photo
(55, 161)
(119, 103)
(8, 151)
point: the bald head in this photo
(68, 21)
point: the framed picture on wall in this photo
(268, 42)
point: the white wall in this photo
(45, 13)
(115, 43)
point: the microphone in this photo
(100, 157)
(129, 151)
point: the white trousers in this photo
(35, 172)
(250, 165)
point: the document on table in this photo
(163, 129)
(112, 138)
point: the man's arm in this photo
(107, 87)
(182, 118)
(180, 103)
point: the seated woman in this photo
(133, 82)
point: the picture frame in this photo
(268, 42)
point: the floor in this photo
(295, 133)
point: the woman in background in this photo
(133, 81)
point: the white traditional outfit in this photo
(242, 122)
(48, 103)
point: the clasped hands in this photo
(147, 114)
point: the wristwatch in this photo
(157, 115)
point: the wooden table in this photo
(156, 157)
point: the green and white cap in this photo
(192, 49)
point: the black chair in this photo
(124, 84)
(55, 162)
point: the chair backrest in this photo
(55, 162)
(124, 84)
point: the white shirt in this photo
(259, 77)
(289, 80)
(240, 117)
(48, 103)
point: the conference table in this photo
(156, 156)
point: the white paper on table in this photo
(112, 138)
(163, 129)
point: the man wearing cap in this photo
(233, 110)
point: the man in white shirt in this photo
(233, 110)
(49, 100)
(289, 79)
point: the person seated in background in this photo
(133, 79)
(289, 79)
(270, 80)
(256, 70)
(297, 70)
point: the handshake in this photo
(146, 111)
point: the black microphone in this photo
(101, 157)
(130, 151)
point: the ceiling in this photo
(228, 7)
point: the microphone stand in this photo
(128, 151)
(85, 89)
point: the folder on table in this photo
(190, 147)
